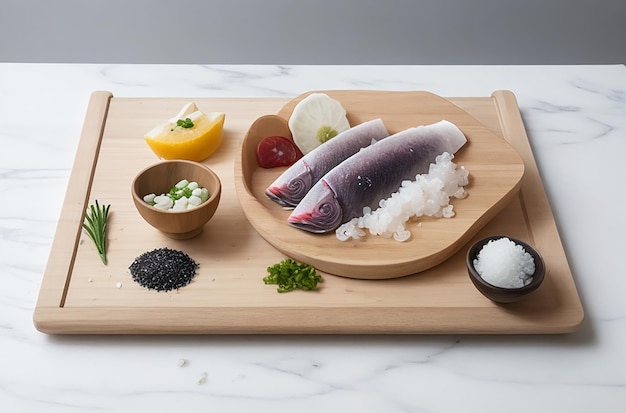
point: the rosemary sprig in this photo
(95, 226)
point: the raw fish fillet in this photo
(373, 174)
(293, 184)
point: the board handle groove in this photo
(58, 270)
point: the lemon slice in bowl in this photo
(191, 135)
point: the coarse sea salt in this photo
(428, 195)
(505, 264)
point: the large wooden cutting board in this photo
(80, 295)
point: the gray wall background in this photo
(314, 31)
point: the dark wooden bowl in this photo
(500, 294)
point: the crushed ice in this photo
(428, 195)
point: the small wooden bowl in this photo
(158, 179)
(499, 294)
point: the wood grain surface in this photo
(80, 295)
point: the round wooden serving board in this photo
(495, 171)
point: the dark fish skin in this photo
(373, 174)
(293, 184)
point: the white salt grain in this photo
(505, 264)
(203, 378)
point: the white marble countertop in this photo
(576, 122)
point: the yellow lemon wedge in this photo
(191, 135)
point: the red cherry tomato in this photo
(274, 151)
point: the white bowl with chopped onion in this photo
(504, 269)
(174, 179)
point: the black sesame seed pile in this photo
(163, 269)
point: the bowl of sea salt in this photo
(504, 269)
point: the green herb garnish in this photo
(177, 193)
(95, 225)
(183, 123)
(290, 275)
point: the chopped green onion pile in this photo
(290, 275)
